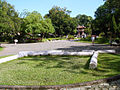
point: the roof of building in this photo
(81, 27)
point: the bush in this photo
(70, 37)
(88, 38)
(102, 40)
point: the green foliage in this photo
(75, 30)
(114, 24)
(102, 40)
(10, 23)
(99, 40)
(70, 37)
(35, 24)
(86, 21)
(108, 19)
(88, 38)
(62, 21)
(57, 22)
(31, 25)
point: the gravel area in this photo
(64, 45)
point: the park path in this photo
(65, 45)
(10, 49)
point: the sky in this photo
(87, 7)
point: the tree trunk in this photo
(42, 36)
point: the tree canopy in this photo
(57, 22)
(86, 21)
(35, 24)
(62, 21)
(108, 19)
(10, 23)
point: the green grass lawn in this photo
(50, 39)
(99, 40)
(57, 70)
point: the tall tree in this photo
(9, 21)
(35, 24)
(86, 21)
(108, 18)
(61, 20)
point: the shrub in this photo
(70, 37)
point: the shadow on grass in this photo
(87, 64)
(108, 64)
(66, 63)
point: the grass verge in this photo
(99, 40)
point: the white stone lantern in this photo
(16, 41)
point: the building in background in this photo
(81, 31)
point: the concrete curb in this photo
(49, 52)
(53, 52)
(59, 52)
(9, 58)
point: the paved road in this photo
(56, 45)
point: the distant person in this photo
(93, 39)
